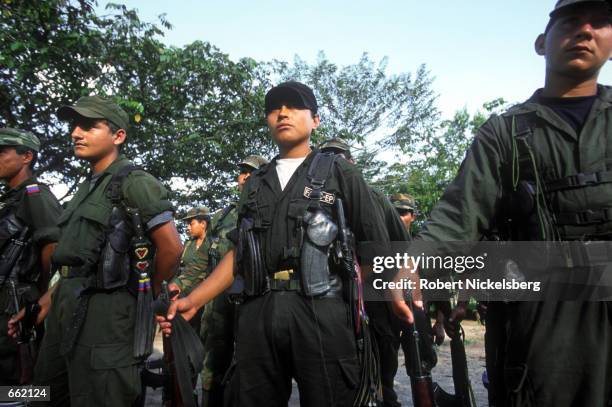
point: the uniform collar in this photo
(111, 169)
(533, 106)
(268, 172)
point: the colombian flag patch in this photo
(32, 189)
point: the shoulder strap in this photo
(523, 165)
(113, 189)
(318, 173)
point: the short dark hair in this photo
(202, 218)
(23, 150)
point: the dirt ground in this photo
(442, 373)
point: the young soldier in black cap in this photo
(26, 203)
(287, 327)
(551, 154)
(89, 355)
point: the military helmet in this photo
(253, 162)
(200, 211)
(336, 144)
(403, 202)
(16, 137)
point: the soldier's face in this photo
(242, 178)
(407, 218)
(196, 228)
(11, 163)
(93, 139)
(579, 42)
(291, 126)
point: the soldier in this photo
(193, 261)
(26, 203)
(88, 352)
(217, 330)
(552, 155)
(284, 330)
(384, 323)
(405, 206)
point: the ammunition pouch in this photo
(17, 257)
(250, 259)
(114, 265)
(314, 260)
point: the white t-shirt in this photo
(285, 168)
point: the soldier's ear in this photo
(119, 137)
(540, 45)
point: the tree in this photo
(195, 112)
(436, 158)
(363, 104)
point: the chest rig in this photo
(306, 257)
(532, 213)
(14, 231)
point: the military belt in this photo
(285, 280)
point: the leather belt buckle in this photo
(283, 275)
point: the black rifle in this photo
(26, 334)
(420, 379)
(464, 395)
(183, 355)
(369, 388)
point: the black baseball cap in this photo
(293, 94)
(564, 5)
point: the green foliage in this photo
(195, 113)
(435, 158)
(361, 102)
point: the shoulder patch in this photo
(32, 189)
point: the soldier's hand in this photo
(174, 288)
(451, 324)
(402, 311)
(184, 306)
(45, 305)
(438, 329)
(13, 329)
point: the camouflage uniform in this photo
(194, 261)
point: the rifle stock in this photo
(464, 395)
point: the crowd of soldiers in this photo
(272, 283)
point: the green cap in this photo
(563, 5)
(195, 212)
(253, 161)
(15, 137)
(403, 201)
(336, 143)
(94, 107)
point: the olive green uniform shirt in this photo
(558, 353)
(36, 206)
(101, 368)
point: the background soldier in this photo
(217, 330)
(87, 354)
(552, 152)
(405, 206)
(29, 203)
(281, 332)
(193, 260)
(385, 325)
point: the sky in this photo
(477, 50)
